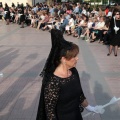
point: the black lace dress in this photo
(115, 37)
(62, 97)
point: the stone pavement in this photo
(22, 56)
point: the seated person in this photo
(81, 26)
(45, 21)
(97, 27)
(87, 32)
(71, 25)
(103, 33)
(64, 24)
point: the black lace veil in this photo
(59, 46)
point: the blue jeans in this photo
(79, 30)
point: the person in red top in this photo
(106, 10)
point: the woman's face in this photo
(117, 15)
(72, 62)
(84, 18)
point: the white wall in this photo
(9, 2)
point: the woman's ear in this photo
(63, 60)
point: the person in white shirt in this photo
(81, 26)
(87, 32)
(84, 11)
(94, 12)
(42, 17)
(71, 25)
(76, 9)
(110, 13)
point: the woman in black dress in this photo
(22, 16)
(7, 14)
(115, 33)
(61, 93)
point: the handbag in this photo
(115, 27)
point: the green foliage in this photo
(58, 1)
(93, 0)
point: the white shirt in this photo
(71, 22)
(109, 14)
(90, 24)
(42, 17)
(100, 24)
(76, 10)
(84, 12)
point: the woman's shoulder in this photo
(53, 79)
(73, 70)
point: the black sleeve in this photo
(111, 24)
(82, 96)
(51, 95)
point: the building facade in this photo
(31, 2)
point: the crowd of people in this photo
(78, 20)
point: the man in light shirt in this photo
(35, 9)
(77, 8)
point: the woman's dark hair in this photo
(6, 5)
(107, 22)
(71, 53)
(84, 16)
(68, 52)
(68, 7)
(114, 11)
(72, 16)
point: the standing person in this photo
(115, 33)
(1, 5)
(18, 5)
(22, 16)
(7, 14)
(61, 93)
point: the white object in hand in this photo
(90, 108)
(100, 108)
(97, 109)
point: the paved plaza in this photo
(22, 56)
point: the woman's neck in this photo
(62, 71)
